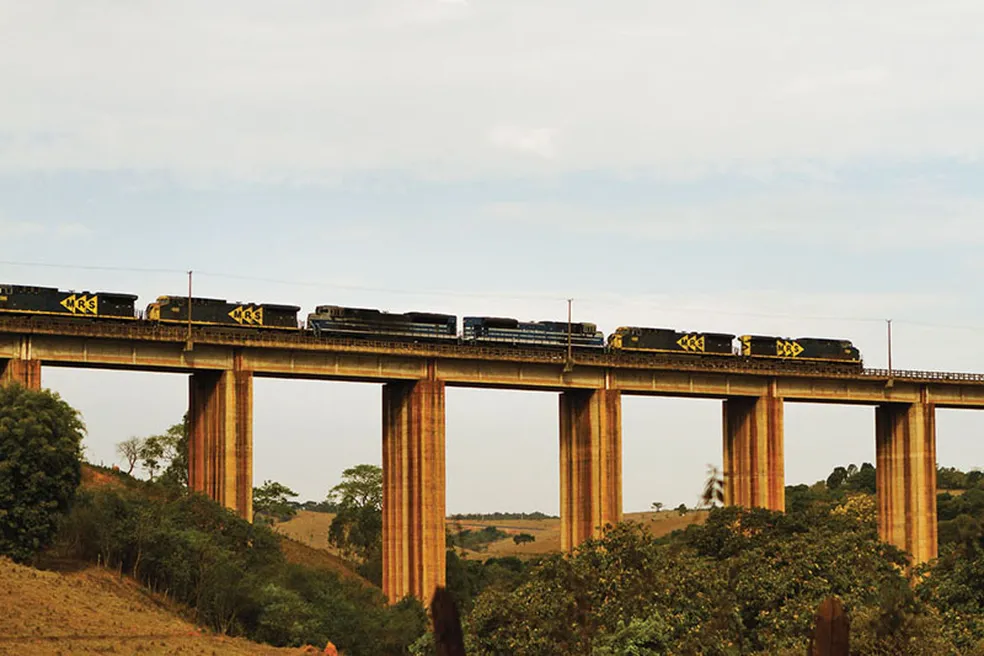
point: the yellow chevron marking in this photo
(692, 343)
(247, 314)
(786, 349)
(81, 304)
(746, 345)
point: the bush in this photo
(40, 468)
(233, 573)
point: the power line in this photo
(649, 304)
(386, 290)
(91, 267)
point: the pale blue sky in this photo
(783, 169)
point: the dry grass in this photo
(302, 554)
(311, 529)
(547, 532)
(94, 611)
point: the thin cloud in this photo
(236, 91)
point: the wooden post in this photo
(831, 630)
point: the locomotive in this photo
(219, 312)
(22, 299)
(498, 330)
(800, 349)
(333, 321)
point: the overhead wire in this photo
(651, 303)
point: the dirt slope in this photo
(95, 612)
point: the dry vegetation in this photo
(93, 611)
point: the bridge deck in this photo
(149, 347)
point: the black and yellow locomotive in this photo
(750, 347)
(664, 340)
(23, 299)
(809, 349)
(219, 312)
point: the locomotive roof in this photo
(34, 289)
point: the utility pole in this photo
(188, 343)
(889, 321)
(569, 365)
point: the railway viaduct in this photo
(223, 364)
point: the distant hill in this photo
(311, 529)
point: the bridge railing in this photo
(948, 376)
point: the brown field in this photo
(311, 528)
(94, 611)
(547, 532)
(303, 554)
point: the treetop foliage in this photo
(361, 487)
(272, 500)
(498, 516)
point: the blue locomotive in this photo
(512, 332)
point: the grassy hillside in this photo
(311, 529)
(93, 611)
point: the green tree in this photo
(951, 478)
(681, 509)
(865, 479)
(40, 467)
(272, 500)
(357, 529)
(836, 478)
(167, 452)
(523, 538)
(152, 454)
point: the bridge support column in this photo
(754, 467)
(590, 464)
(905, 453)
(220, 441)
(413, 489)
(25, 372)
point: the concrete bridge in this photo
(222, 365)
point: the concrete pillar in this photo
(905, 453)
(413, 489)
(220, 444)
(25, 372)
(590, 464)
(754, 466)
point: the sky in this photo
(778, 168)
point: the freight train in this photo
(332, 321)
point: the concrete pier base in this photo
(590, 464)
(220, 444)
(905, 452)
(24, 372)
(413, 489)
(754, 468)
